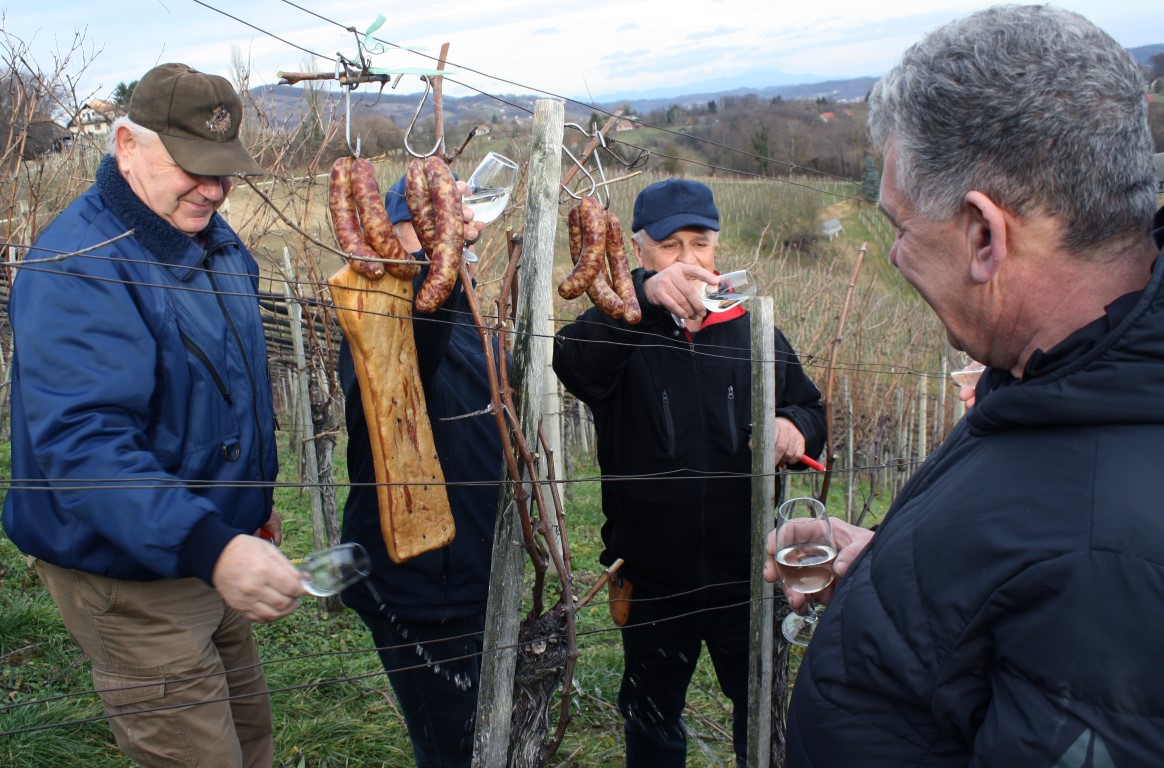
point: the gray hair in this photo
(140, 132)
(1035, 107)
(642, 238)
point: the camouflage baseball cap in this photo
(197, 117)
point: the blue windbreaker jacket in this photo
(142, 424)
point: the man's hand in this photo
(851, 540)
(677, 290)
(472, 228)
(789, 442)
(256, 580)
(272, 530)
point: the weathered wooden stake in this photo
(495, 702)
(761, 647)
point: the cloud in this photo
(717, 32)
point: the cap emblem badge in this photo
(219, 121)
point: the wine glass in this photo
(490, 185)
(327, 571)
(964, 370)
(805, 551)
(731, 291)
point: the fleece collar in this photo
(165, 242)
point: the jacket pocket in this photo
(198, 354)
(199, 425)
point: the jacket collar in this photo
(715, 318)
(165, 242)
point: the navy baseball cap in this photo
(668, 206)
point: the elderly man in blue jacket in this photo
(143, 450)
(1007, 610)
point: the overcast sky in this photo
(592, 50)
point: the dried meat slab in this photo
(376, 318)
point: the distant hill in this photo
(285, 104)
(1144, 52)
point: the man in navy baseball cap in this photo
(670, 399)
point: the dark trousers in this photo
(435, 669)
(661, 644)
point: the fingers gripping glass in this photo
(805, 552)
(733, 289)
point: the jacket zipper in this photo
(246, 365)
(668, 424)
(195, 350)
(731, 417)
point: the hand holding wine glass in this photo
(732, 289)
(804, 549)
(490, 186)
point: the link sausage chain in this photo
(361, 223)
(596, 245)
(365, 233)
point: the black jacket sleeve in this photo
(590, 370)
(798, 398)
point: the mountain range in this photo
(285, 104)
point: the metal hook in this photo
(341, 61)
(582, 168)
(412, 123)
(601, 171)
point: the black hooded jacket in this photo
(672, 416)
(1008, 611)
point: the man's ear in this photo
(986, 236)
(126, 143)
(637, 248)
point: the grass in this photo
(332, 704)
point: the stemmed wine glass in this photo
(732, 290)
(327, 571)
(964, 370)
(805, 551)
(490, 185)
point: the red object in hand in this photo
(265, 534)
(812, 463)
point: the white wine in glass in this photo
(805, 551)
(964, 370)
(490, 186)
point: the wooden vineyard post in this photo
(761, 643)
(532, 324)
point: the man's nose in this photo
(213, 187)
